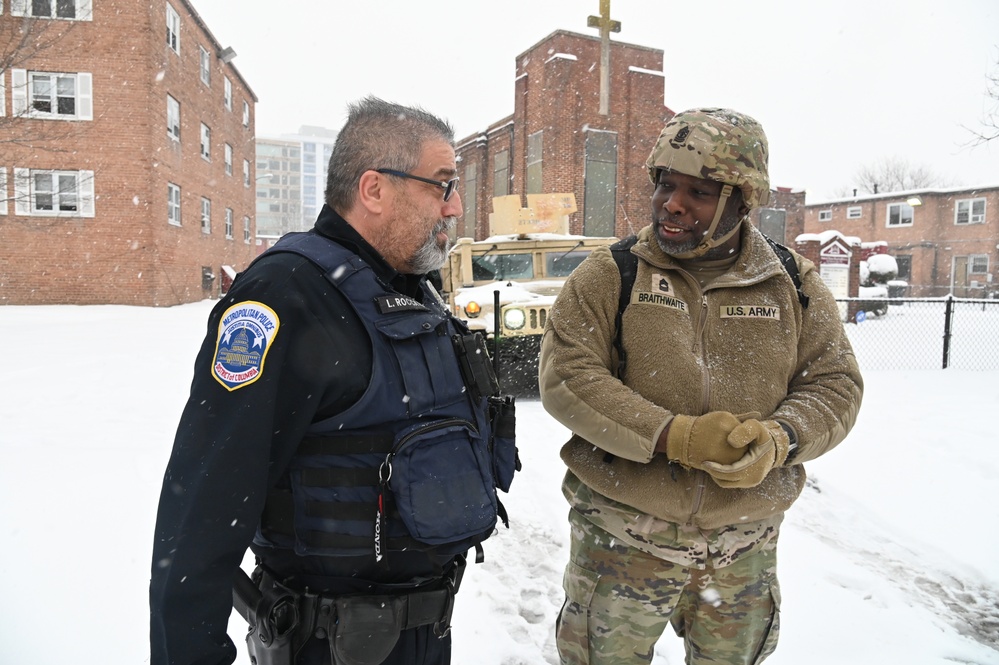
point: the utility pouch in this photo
(440, 474)
(363, 630)
(476, 367)
(367, 629)
(506, 459)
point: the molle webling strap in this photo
(707, 243)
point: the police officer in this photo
(336, 426)
(693, 412)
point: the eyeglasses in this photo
(447, 185)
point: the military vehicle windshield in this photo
(560, 264)
(503, 266)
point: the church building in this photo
(566, 134)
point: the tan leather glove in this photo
(766, 446)
(694, 440)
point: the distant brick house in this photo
(944, 240)
(126, 155)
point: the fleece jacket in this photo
(743, 343)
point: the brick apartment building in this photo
(558, 141)
(126, 154)
(944, 240)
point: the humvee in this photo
(522, 267)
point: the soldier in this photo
(694, 397)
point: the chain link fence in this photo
(926, 333)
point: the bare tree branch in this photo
(24, 42)
(21, 42)
(989, 123)
(894, 174)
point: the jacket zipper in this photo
(698, 348)
(705, 374)
(705, 395)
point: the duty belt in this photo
(361, 629)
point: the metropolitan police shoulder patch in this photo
(246, 332)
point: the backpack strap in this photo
(627, 265)
(790, 267)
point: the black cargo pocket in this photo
(427, 361)
(572, 631)
(769, 643)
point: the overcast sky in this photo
(837, 84)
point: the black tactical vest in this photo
(411, 465)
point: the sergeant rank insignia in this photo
(245, 335)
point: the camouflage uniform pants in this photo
(620, 599)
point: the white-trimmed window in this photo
(173, 204)
(227, 93)
(206, 66)
(228, 223)
(978, 264)
(206, 215)
(969, 211)
(173, 29)
(854, 212)
(72, 10)
(825, 215)
(900, 214)
(173, 118)
(228, 159)
(246, 173)
(3, 90)
(3, 190)
(52, 95)
(53, 193)
(246, 113)
(206, 142)
(246, 230)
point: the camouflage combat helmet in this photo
(715, 144)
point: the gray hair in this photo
(378, 135)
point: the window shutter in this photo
(18, 7)
(3, 95)
(3, 190)
(22, 191)
(18, 92)
(84, 10)
(85, 96)
(86, 180)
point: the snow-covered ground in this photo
(890, 556)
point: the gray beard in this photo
(726, 224)
(672, 248)
(431, 256)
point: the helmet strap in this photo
(708, 243)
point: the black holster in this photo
(278, 628)
(361, 629)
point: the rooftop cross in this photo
(606, 26)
